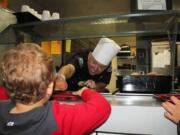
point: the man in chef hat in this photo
(92, 69)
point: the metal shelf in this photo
(136, 24)
(126, 57)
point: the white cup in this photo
(25, 8)
(39, 16)
(32, 11)
(36, 13)
(55, 16)
(46, 15)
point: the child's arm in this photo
(3, 94)
(85, 117)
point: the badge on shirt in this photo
(81, 62)
(109, 69)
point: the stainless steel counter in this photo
(132, 99)
(137, 114)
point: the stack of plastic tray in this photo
(166, 97)
(65, 96)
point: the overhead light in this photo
(109, 21)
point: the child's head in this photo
(27, 72)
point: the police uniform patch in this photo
(81, 62)
(109, 69)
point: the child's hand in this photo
(173, 109)
(79, 92)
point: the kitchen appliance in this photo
(177, 78)
(144, 84)
(125, 51)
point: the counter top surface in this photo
(132, 100)
(135, 114)
(127, 100)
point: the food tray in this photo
(165, 97)
(65, 96)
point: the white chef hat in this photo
(105, 50)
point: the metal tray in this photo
(165, 97)
(65, 96)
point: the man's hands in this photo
(60, 83)
(64, 73)
(90, 83)
(100, 86)
(61, 77)
(173, 109)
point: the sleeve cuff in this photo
(88, 93)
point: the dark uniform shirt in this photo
(178, 128)
(82, 73)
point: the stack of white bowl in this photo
(46, 15)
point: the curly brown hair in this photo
(27, 71)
